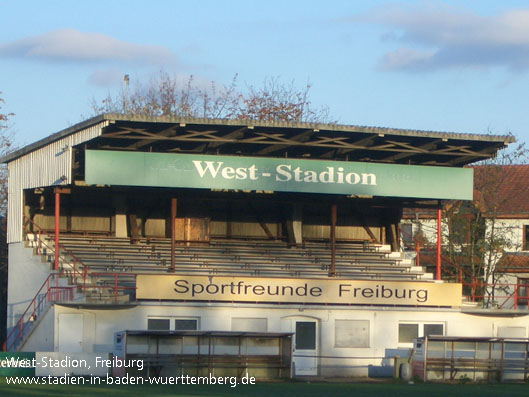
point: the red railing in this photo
(114, 285)
(460, 274)
(495, 295)
(40, 244)
(46, 294)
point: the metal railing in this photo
(477, 289)
(50, 291)
(46, 294)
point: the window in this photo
(190, 324)
(409, 331)
(525, 238)
(305, 335)
(523, 292)
(351, 333)
(406, 232)
(158, 324)
(433, 329)
(172, 324)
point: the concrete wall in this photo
(42, 335)
(27, 273)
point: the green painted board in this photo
(17, 364)
(277, 174)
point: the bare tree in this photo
(164, 95)
(282, 102)
(6, 139)
(6, 146)
(478, 237)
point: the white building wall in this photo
(509, 229)
(374, 360)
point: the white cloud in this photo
(73, 45)
(437, 37)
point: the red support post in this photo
(57, 226)
(438, 244)
(417, 253)
(515, 296)
(173, 233)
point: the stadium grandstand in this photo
(284, 235)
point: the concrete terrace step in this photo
(232, 258)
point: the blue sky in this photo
(456, 66)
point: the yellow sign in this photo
(287, 290)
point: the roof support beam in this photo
(144, 142)
(299, 138)
(420, 149)
(234, 135)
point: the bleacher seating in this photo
(103, 256)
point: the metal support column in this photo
(332, 272)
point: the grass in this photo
(304, 389)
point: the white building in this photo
(500, 204)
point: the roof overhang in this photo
(279, 139)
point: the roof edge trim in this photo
(52, 138)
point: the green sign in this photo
(17, 364)
(277, 174)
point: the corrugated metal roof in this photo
(335, 128)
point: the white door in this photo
(71, 333)
(305, 347)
